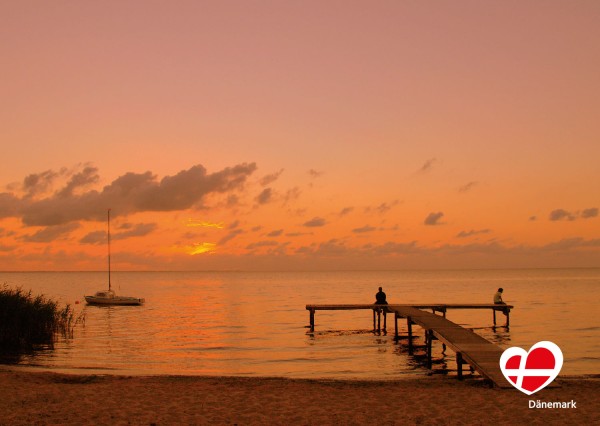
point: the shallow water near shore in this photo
(254, 323)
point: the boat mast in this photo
(109, 286)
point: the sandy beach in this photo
(28, 398)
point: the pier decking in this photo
(482, 355)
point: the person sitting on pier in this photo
(380, 297)
(498, 299)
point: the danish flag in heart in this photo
(534, 370)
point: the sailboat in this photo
(108, 297)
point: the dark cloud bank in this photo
(128, 194)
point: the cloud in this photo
(315, 222)
(298, 234)
(532, 218)
(561, 214)
(396, 248)
(95, 237)
(434, 218)
(131, 230)
(314, 174)
(364, 229)
(467, 187)
(130, 193)
(335, 248)
(269, 179)
(50, 233)
(465, 234)
(332, 247)
(292, 194)
(37, 183)
(137, 230)
(571, 244)
(276, 233)
(230, 236)
(383, 207)
(589, 213)
(265, 243)
(493, 248)
(346, 210)
(9, 205)
(6, 233)
(188, 187)
(232, 200)
(427, 166)
(87, 176)
(265, 196)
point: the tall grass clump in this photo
(28, 321)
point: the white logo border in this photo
(521, 371)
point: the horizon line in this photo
(304, 270)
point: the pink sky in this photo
(300, 135)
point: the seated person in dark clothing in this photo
(380, 297)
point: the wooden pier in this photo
(482, 355)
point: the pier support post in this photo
(384, 319)
(494, 311)
(396, 326)
(312, 320)
(507, 317)
(379, 320)
(459, 363)
(429, 335)
(374, 324)
(409, 326)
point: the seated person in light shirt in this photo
(498, 299)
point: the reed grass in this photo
(28, 321)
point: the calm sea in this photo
(254, 324)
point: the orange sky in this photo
(299, 135)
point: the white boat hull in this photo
(116, 300)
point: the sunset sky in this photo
(288, 135)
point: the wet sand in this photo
(44, 398)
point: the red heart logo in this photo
(534, 370)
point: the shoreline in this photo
(45, 397)
(123, 373)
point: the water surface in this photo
(254, 324)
